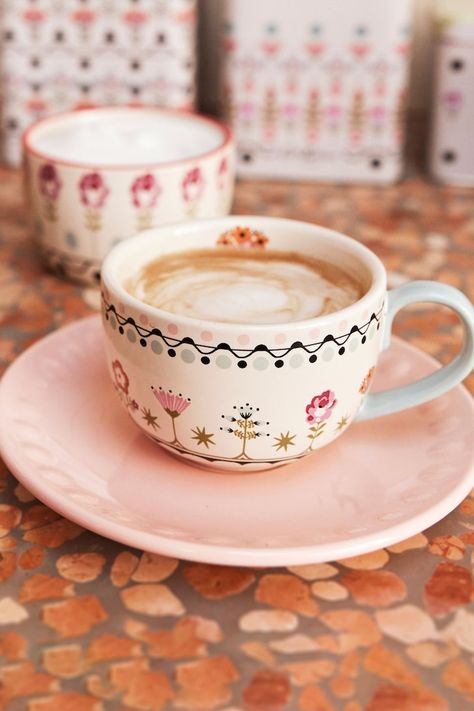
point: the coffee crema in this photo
(244, 286)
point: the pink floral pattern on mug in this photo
(320, 408)
(49, 181)
(318, 411)
(93, 190)
(222, 172)
(121, 379)
(145, 191)
(50, 186)
(193, 186)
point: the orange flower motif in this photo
(364, 386)
(242, 237)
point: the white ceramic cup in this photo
(249, 397)
(98, 175)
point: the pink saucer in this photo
(66, 439)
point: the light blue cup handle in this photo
(430, 387)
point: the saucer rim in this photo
(215, 553)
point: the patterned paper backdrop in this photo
(317, 89)
(58, 54)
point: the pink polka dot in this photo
(314, 333)
(206, 336)
(365, 313)
(280, 338)
(143, 319)
(243, 339)
(172, 328)
(343, 326)
(121, 308)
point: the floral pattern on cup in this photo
(364, 386)
(193, 187)
(93, 192)
(318, 411)
(145, 192)
(244, 237)
(122, 384)
(174, 405)
(50, 186)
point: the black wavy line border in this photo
(239, 353)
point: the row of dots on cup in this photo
(259, 363)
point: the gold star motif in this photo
(150, 419)
(203, 437)
(342, 423)
(284, 441)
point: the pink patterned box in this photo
(56, 55)
(316, 89)
(452, 143)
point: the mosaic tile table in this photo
(80, 623)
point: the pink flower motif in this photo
(93, 190)
(33, 15)
(83, 16)
(193, 185)
(222, 171)
(290, 111)
(360, 49)
(378, 114)
(320, 408)
(271, 47)
(315, 49)
(247, 110)
(135, 17)
(49, 182)
(145, 191)
(121, 378)
(453, 100)
(334, 112)
(173, 404)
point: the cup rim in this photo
(110, 280)
(30, 150)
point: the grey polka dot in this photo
(296, 360)
(113, 322)
(353, 344)
(188, 356)
(156, 347)
(223, 362)
(260, 364)
(131, 335)
(328, 354)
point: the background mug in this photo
(250, 397)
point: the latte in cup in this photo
(243, 286)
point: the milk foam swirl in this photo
(238, 286)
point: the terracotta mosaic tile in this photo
(151, 600)
(389, 631)
(153, 568)
(44, 587)
(80, 567)
(449, 587)
(312, 698)
(74, 617)
(268, 689)
(31, 558)
(377, 588)
(122, 568)
(217, 581)
(13, 646)
(205, 684)
(65, 661)
(7, 565)
(268, 621)
(287, 593)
